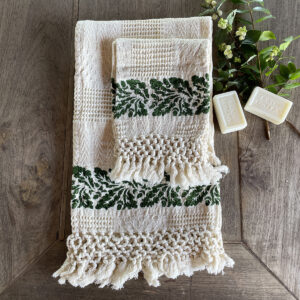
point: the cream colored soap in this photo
(229, 112)
(268, 106)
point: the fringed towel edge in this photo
(106, 259)
(184, 174)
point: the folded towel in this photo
(120, 229)
(161, 111)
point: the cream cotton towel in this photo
(120, 229)
(161, 112)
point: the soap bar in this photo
(229, 112)
(268, 106)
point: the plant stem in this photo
(281, 88)
(256, 45)
(268, 132)
(267, 126)
(293, 127)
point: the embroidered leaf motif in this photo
(160, 193)
(95, 190)
(110, 194)
(81, 192)
(132, 96)
(209, 194)
(176, 96)
(171, 95)
(202, 86)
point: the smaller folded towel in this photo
(162, 95)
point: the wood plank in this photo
(226, 146)
(271, 174)
(35, 39)
(65, 216)
(248, 280)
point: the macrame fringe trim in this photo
(182, 174)
(84, 265)
(116, 274)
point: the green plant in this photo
(244, 62)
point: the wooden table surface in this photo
(260, 197)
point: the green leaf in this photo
(231, 16)
(230, 71)
(292, 86)
(239, 1)
(264, 18)
(275, 84)
(267, 35)
(280, 79)
(252, 37)
(272, 90)
(242, 11)
(284, 95)
(218, 86)
(271, 70)
(266, 50)
(220, 4)
(253, 68)
(292, 67)
(232, 83)
(284, 71)
(219, 37)
(261, 9)
(271, 63)
(259, 1)
(284, 57)
(207, 12)
(287, 42)
(263, 63)
(221, 62)
(249, 59)
(248, 50)
(244, 21)
(224, 74)
(295, 75)
(296, 37)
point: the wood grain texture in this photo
(226, 146)
(65, 213)
(35, 158)
(248, 281)
(34, 62)
(271, 174)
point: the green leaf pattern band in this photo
(134, 98)
(93, 189)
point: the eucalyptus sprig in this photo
(243, 60)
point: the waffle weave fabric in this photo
(161, 111)
(121, 227)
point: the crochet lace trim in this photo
(186, 160)
(113, 258)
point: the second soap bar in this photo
(268, 106)
(229, 112)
